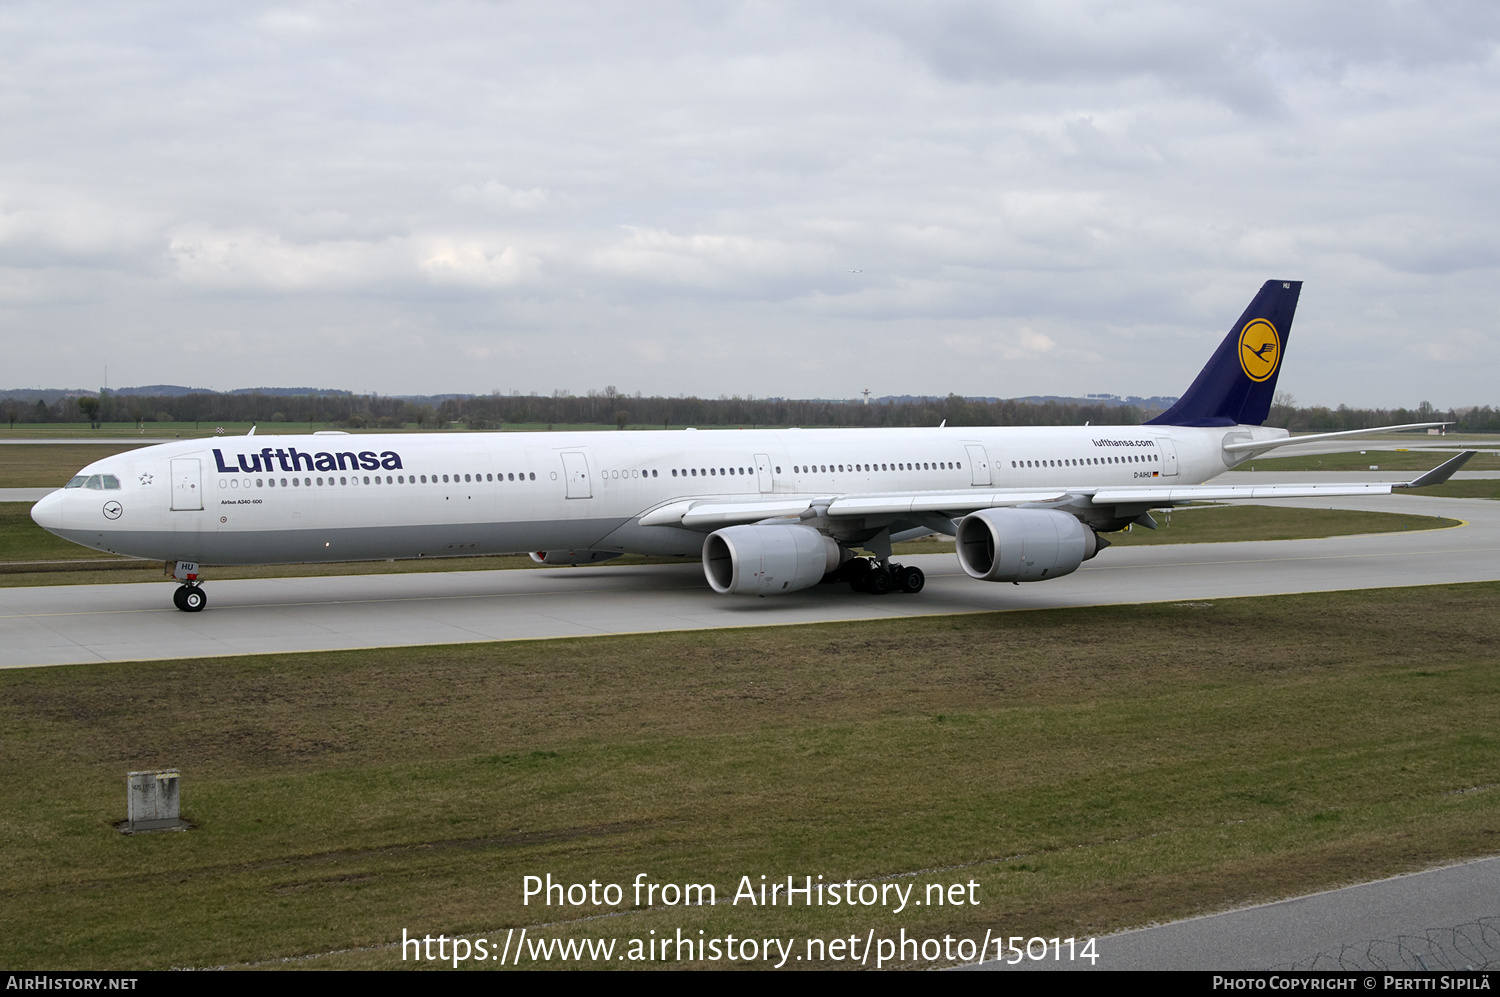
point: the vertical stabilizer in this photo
(1237, 385)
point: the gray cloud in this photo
(671, 197)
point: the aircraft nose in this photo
(48, 513)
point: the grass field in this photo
(49, 466)
(1485, 488)
(1087, 769)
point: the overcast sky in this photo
(748, 198)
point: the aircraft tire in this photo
(878, 581)
(910, 580)
(177, 597)
(193, 599)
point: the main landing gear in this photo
(866, 574)
(190, 598)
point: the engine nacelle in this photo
(1023, 545)
(572, 556)
(767, 559)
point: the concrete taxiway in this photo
(1440, 919)
(55, 625)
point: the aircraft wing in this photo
(1175, 494)
(712, 514)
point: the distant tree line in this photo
(1321, 419)
(610, 407)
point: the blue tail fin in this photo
(1235, 388)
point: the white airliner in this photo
(767, 511)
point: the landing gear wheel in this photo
(878, 581)
(190, 599)
(910, 580)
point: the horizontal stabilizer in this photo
(1256, 446)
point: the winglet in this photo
(1438, 474)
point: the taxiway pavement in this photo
(56, 625)
(1439, 919)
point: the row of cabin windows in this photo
(950, 465)
(389, 479)
(1145, 458)
(704, 472)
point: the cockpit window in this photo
(76, 481)
(95, 482)
(111, 482)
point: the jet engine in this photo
(1023, 545)
(767, 559)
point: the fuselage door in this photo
(763, 472)
(576, 470)
(187, 484)
(979, 464)
(1168, 457)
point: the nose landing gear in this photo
(190, 598)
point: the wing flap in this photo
(885, 505)
(1129, 495)
(725, 513)
(700, 513)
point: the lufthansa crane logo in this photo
(1260, 349)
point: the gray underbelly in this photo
(345, 544)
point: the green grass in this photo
(1090, 769)
(50, 466)
(1485, 488)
